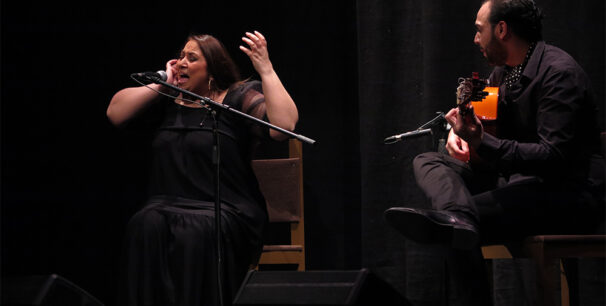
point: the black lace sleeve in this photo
(248, 98)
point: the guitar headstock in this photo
(470, 89)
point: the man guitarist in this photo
(539, 159)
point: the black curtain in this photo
(359, 71)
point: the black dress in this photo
(170, 243)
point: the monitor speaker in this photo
(44, 290)
(352, 287)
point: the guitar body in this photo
(486, 110)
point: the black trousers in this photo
(506, 210)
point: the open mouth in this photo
(182, 78)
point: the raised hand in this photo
(257, 52)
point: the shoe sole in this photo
(422, 229)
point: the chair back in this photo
(281, 182)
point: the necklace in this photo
(515, 73)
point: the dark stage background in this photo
(358, 70)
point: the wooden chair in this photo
(281, 182)
(544, 249)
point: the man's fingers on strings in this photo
(451, 117)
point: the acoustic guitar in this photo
(476, 92)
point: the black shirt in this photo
(546, 125)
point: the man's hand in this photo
(457, 147)
(468, 127)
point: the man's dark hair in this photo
(523, 17)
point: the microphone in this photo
(151, 76)
(396, 138)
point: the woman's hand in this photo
(457, 147)
(258, 52)
(171, 71)
(280, 108)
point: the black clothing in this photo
(534, 174)
(505, 211)
(182, 155)
(546, 133)
(546, 125)
(171, 245)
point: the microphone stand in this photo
(426, 128)
(440, 122)
(435, 121)
(216, 106)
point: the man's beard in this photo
(495, 52)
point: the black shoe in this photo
(434, 226)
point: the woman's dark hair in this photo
(523, 17)
(219, 64)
